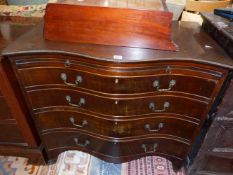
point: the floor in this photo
(79, 163)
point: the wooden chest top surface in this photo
(12, 27)
(194, 45)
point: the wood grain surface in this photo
(109, 26)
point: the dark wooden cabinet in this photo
(117, 103)
(109, 118)
(149, 102)
(18, 136)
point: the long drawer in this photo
(160, 125)
(54, 97)
(111, 77)
(153, 81)
(143, 146)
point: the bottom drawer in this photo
(115, 148)
(9, 134)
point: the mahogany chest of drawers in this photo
(119, 103)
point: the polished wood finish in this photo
(118, 106)
(109, 25)
(10, 134)
(17, 133)
(118, 85)
(118, 94)
(92, 78)
(4, 110)
(115, 151)
(48, 121)
(17, 109)
(220, 29)
(196, 50)
(12, 27)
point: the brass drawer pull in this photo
(159, 127)
(67, 63)
(165, 106)
(157, 85)
(145, 148)
(84, 123)
(116, 81)
(81, 101)
(87, 142)
(78, 80)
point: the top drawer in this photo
(120, 78)
(198, 85)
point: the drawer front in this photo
(161, 125)
(144, 146)
(118, 106)
(113, 83)
(4, 110)
(10, 134)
